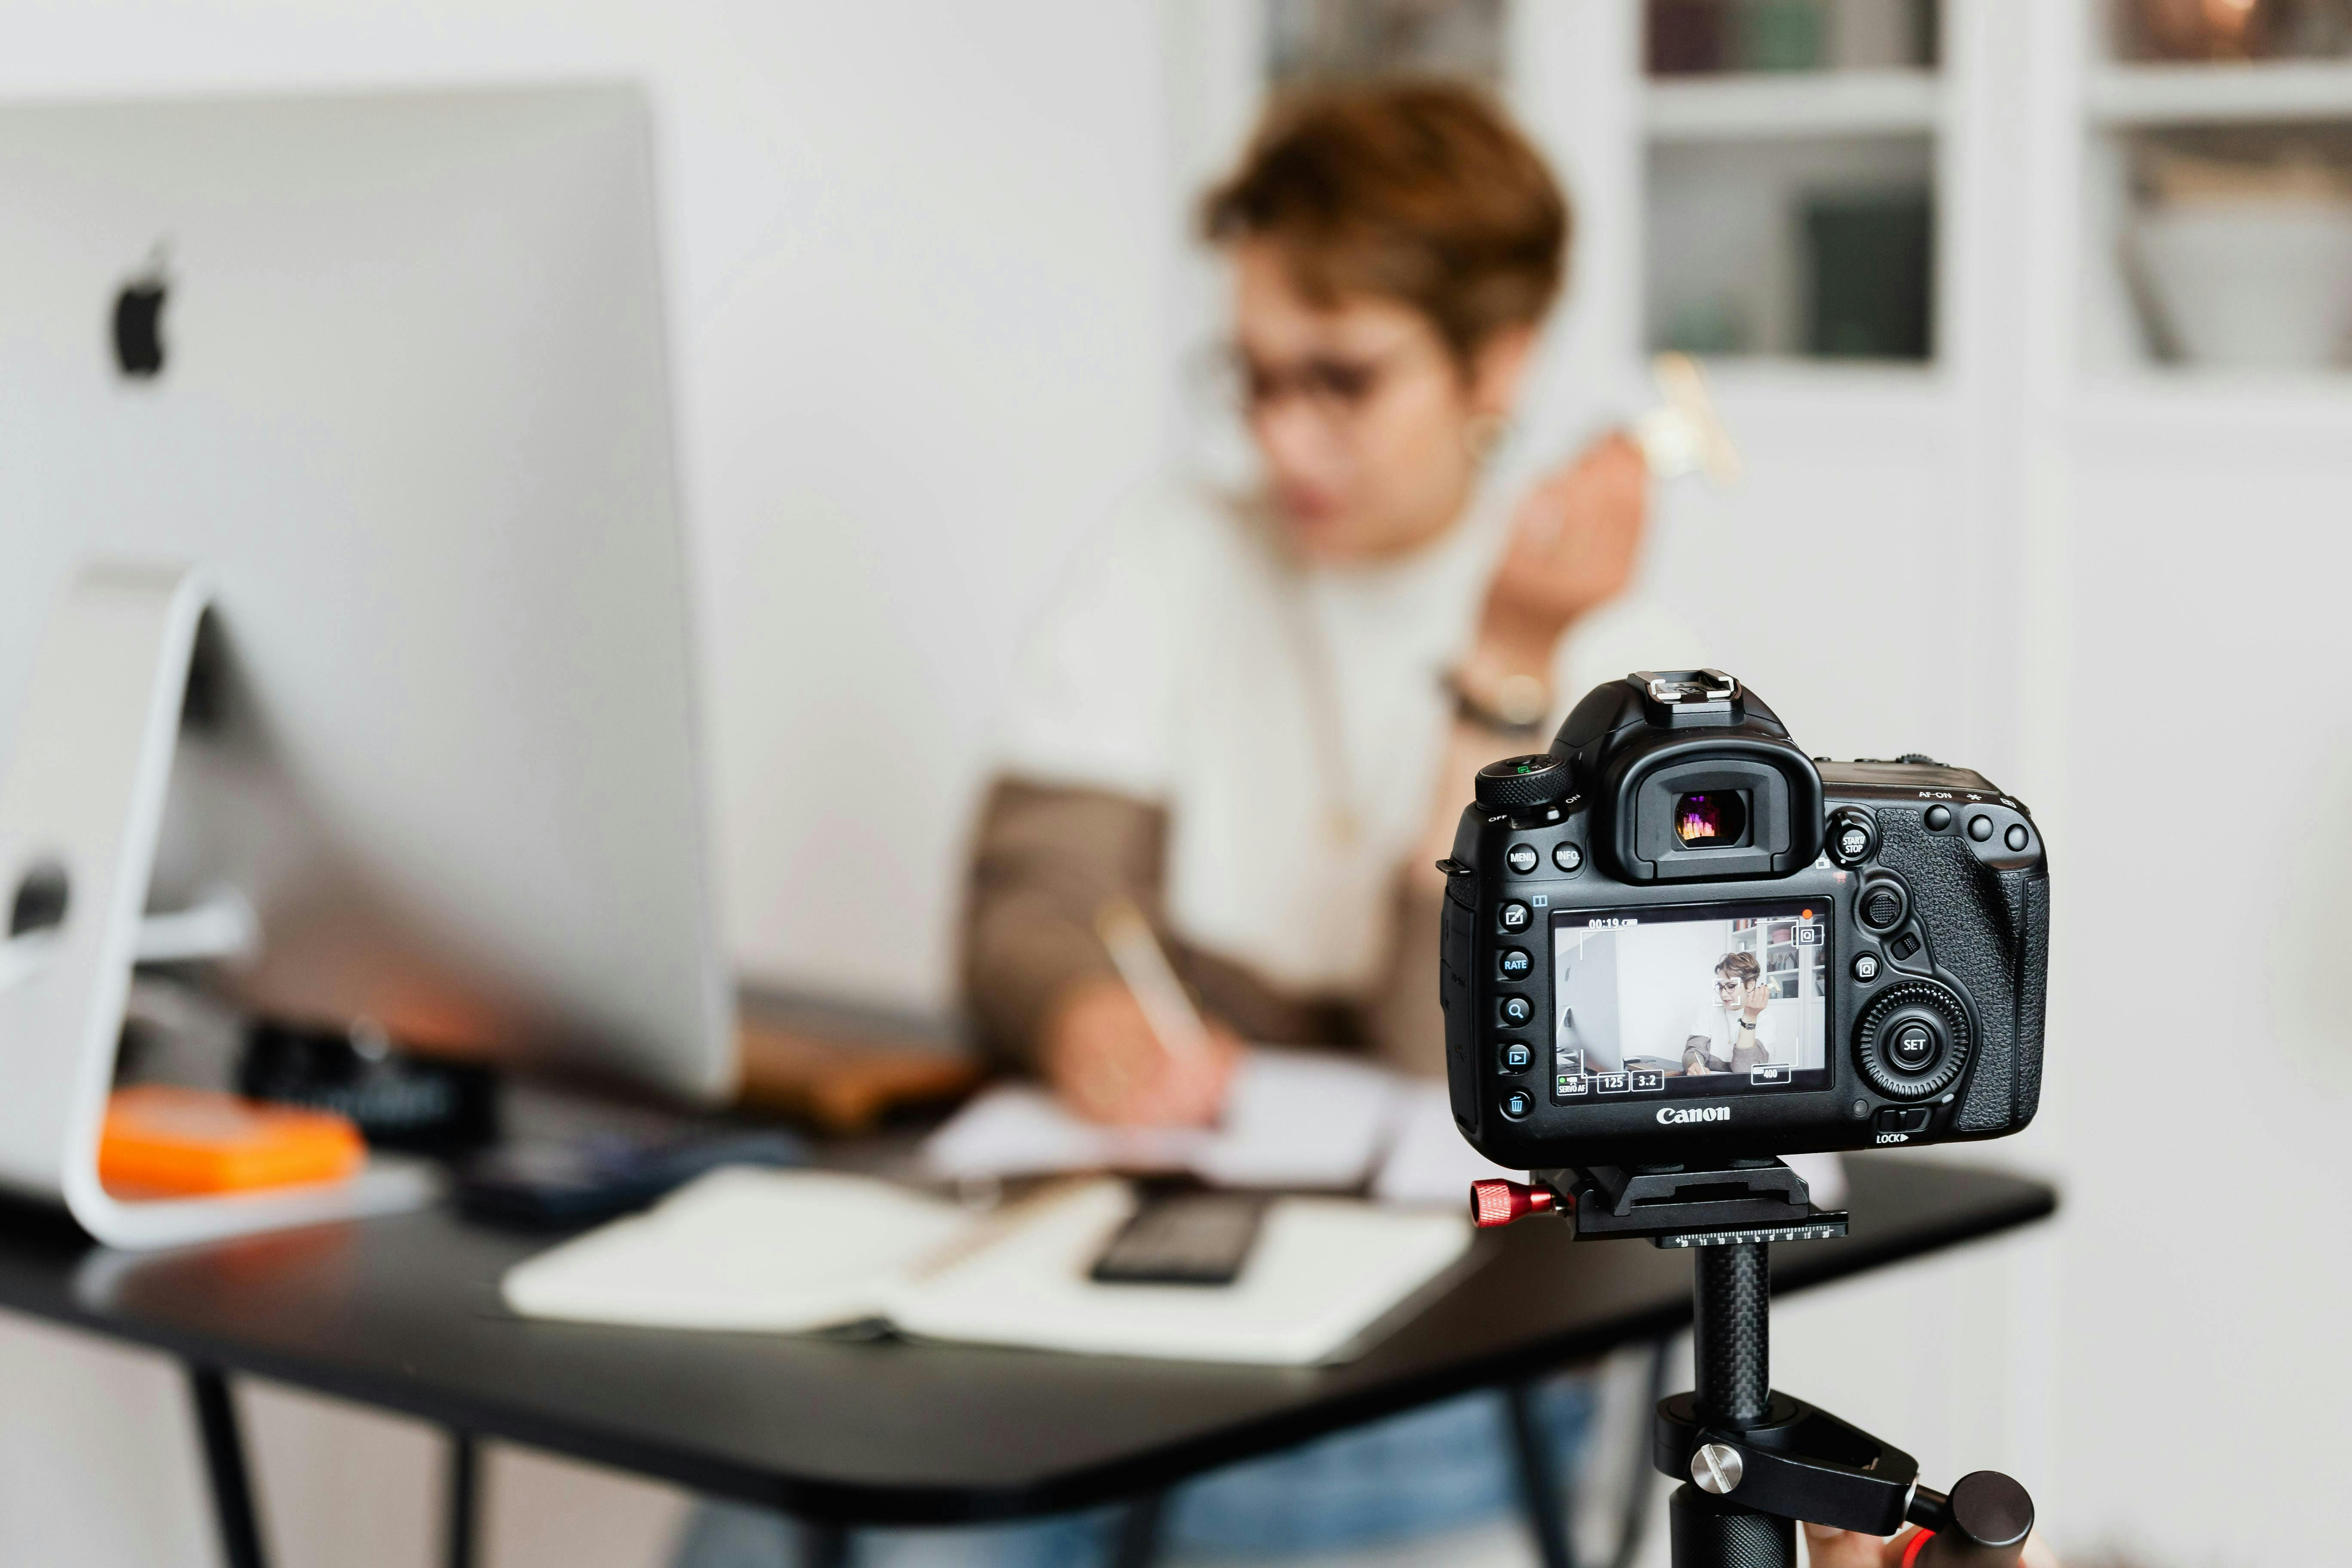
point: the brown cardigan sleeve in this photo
(1402, 1018)
(1044, 860)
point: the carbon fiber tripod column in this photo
(1732, 1365)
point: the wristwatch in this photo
(1519, 705)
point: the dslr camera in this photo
(1676, 940)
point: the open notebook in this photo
(800, 1251)
(1293, 1119)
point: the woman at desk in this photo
(1255, 716)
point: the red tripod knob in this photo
(1498, 1202)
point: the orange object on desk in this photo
(163, 1140)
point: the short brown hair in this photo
(1422, 192)
(1743, 964)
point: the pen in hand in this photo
(1144, 967)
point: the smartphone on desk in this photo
(1182, 1237)
(556, 1183)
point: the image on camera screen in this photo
(1714, 999)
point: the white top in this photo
(1719, 1027)
(1180, 663)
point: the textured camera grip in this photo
(2036, 991)
(1978, 922)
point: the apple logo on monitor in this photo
(139, 320)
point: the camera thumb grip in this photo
(1981, 1523)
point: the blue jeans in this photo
(1441, 1468)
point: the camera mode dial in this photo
(1520, 785)
(1913, 1039)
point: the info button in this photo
(1767, 1078)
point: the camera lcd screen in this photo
(1707, 1000)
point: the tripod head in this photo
(1759, 1461)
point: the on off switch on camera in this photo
(1675, 935)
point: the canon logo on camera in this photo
(1669, 1117)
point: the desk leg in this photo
(240, 1533)
(823, 1545)
(1539, 1486)
(1138, 1533)
(463, 1501)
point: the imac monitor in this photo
(390, 371)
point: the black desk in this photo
(403, 1313)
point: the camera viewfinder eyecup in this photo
(1692, 779)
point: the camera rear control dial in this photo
(1913, 1040)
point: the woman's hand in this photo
(1102, 1055)
(1573, 545)
(1827, 1548)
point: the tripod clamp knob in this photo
(1982, 1522)
(1495, 1201)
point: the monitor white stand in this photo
(82, 805)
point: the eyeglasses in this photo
(1336, 388)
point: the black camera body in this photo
(1675, 938)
